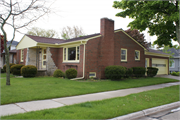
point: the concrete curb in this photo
(146, 112)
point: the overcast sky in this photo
(82, 13)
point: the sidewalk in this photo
(23, 107)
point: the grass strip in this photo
(40, 88)
(108, 108)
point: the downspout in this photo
(83, 65)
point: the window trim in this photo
(71, 61)
(44, 66)
(138, 55)
(92, 73)
(22, 54)
(125, 55)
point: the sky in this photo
(82, 13)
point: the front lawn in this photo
(108, 108)
(39, 88)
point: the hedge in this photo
(139, 71)
(71, 73)
(16, 69)
(58, 73)
(152, 71)
(29, 71)
(115, 72)
(4, 67)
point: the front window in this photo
(137, 55)
(44, 58)
(22, 55)
(123, 54)
(71, 54)
(172, 64)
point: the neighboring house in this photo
(90, 54)
(12, 54)
(176, 60)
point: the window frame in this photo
(125, 55)
(92, 73)
(22, 54)
(65, 57)
(138, 55)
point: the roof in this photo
(45, 39)
(156, 51)
(59, 41)
(13, 42)
(173, 50)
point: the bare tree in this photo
(74, 32)
(43, 33)
(18, 14)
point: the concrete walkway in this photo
(169, 76)
(23, 107)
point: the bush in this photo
(16, 69)
(71, 73)
(2, 71)
(152, 71)
(4, 67)
(175, 73)
(29, 71)
(115, 72)
(58, 73)
(129, 72)
(139, 71)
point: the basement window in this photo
(92, 74)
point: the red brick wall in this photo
(64, 66)
(19, 56)
(123, 41)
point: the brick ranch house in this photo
(90, 54)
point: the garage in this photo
(161, 64)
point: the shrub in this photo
(175, 73)
(4, 67)
(139, 71)
(115, 72)
(16, 69)
(152, 71)
(58, 73)
(29, 71)
(2, 71)
(71, 73)
(129, 72)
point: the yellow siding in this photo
(26, 42)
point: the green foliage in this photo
(175, 73)
(2, 71)
(58, 73)
(129, 72)
(165, 50)
(16, 69)
(29, 71)
(71, 73)
(139, 71)
(152, 71)
(4, 67)
(160, 17)
(115, 72)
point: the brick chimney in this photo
(107, 26)
(106, 44)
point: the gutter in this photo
(83, 65)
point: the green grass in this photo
(39, 88)
(108, 108)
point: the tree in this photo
(137, 36)
(74, 32)
(43, 33)
(165, 50)
(19, 14)
(2, 42)
(160, 17)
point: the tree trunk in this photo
(7, 69)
